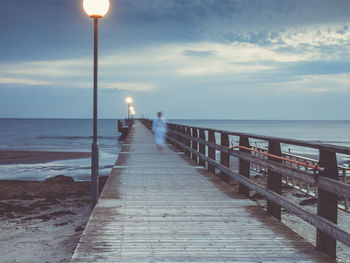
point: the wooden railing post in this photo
(211, 151)
(170, 127)
(244, 166)
(183, 140)
(224, 157)
(274, 180)
(177, 137)
(327, 203)
(195, 144)
(179, 129)
(346, 204)
(188, 141)
(201, 146)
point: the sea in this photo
(75, 135)
(66, 135)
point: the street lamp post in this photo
(132, 112)
(95, 9)
(128, 101)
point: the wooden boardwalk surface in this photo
(158, 207)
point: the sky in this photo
(192, 59)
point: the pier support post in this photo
(211, 151)
(201, 146)
(274, 180)
(224, 157)
(195, 144)
(244, 166)
(327, 203)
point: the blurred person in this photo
(159, 128)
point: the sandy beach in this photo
(42, 221)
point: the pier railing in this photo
(200, 144)
(343, 172)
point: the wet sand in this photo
(16, 157)
(42, 221)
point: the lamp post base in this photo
(94, 174)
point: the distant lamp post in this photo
(132, 112)
(95, 9)
(128, 101)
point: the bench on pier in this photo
(124, 126)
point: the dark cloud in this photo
(41, 28)
(240, 12)
(253, 21)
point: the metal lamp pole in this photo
(129, 111)
(95, 9)
(128, 101)
(94, 148)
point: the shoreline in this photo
(32, 157)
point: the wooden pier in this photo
(163, 207)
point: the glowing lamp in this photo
(96, 8)
(128, 100)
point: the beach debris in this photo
(59, 179)
(310, 201)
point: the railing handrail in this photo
(339, 188)
(319, 146)
(299, 157)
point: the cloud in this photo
(194, 53)
(315, 36)
(332, 83)
(21, 81)
(129, 86)
(49, 68)
(236, 12)
(198, 58)
(157, 67)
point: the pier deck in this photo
(162, 207)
